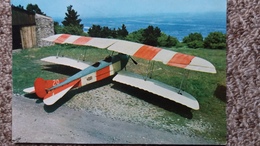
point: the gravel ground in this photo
(99, 115)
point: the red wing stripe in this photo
(147, 52)
(62, 38)
(82, 40)
(180, 60)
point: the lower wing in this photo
(157, 88)
(66, 61)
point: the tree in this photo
(136, 36)
(71, 22)
(215, 40)
(122, 32)
(57, 28)
(106, 32)
(95, 31)
(167, 40)
(151, 35)
(194, 40)
(19, 6)
(34, 8)
(193, 37)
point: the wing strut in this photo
(182, 81)
(149, 70)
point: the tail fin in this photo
(41, 87)
(54, 95)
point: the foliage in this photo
(34, 8)
(194, 40)
(167, 40)
(195, 44)
(215, 40)
(72, 29)
(57, 28)
(71, 22)
(19, 6)
(95, 31)
(192, 37)
(136, 36)
(122, 32)
(105, 32)
(151, 35)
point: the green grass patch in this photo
(208, 89)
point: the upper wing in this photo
(167, 57)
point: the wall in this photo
(44, 28)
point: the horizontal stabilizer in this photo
(57, 93)
(66, 61)
(29, 90)
(157, 88)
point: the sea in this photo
(177, 25)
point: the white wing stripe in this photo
(100, 43)
(164, 56)
(71, 39)
(125, 47)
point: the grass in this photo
(208, 89)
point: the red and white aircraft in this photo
(52, 90)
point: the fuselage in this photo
(98, 71)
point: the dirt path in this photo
(36, 123)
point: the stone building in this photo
(44, 28)
(29, 29)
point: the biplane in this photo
(114, 65)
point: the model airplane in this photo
(52, 90)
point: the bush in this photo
(136, 36)
(75, 30)
(194, 40)
(167, 41)
(215, 40)
(192, 37)
(195, 44)
(180, 45)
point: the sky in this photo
(121, 8)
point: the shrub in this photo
(167, 41)
(194, 40)
(215, 40)
(192, 37)
(71, 29)
(136, 36)
(195, 44)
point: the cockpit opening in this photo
(96, 64)
(108, 59)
